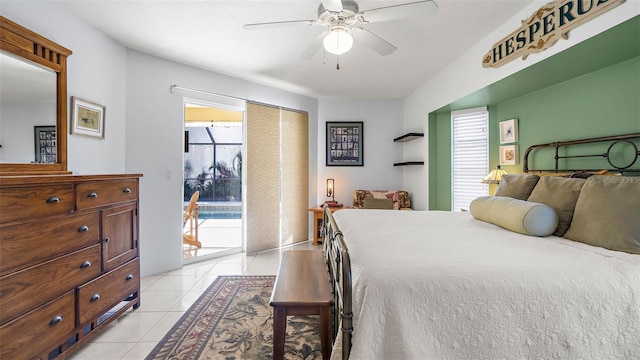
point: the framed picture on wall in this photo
(87, 118)
(509, 155)
(344, 144)
(509, 131)
(46, 144)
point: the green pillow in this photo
(607, 214)
(373, 203)
(517, 186)
(561, 194)
(520, 216)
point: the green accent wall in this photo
(598, 103)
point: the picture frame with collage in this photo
(344, 143)
(46, 144)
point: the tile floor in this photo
(165, 298)
(217, 236)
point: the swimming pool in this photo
(220, 215)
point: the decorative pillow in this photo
(386, 194)
(607, 214)
(561, 195)
(373, 203)
(517, 186)
(516, 215)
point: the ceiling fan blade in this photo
(376, 43)
(313, 47)
(259, 26)
(332, 5)
(397, 12)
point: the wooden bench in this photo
(302, 288)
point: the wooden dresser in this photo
(69, 260)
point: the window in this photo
(470, 153)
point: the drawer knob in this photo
(53, 200)
(126, 190)
(92, 195)
(85, 264)
(95, 297)
(56, 319)
(107, 240)
(129, 277)
(83, 228)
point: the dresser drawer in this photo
(101, 193)
(32, 286)
(28, 243)
(35, 202)
(28, 335)
(108, 290)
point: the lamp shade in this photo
(494, 176)
(338, 41)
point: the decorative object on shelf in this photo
(87, 117)
(509, 155)
(509, 131)
(344, 144)
(46, 144)
(494, 176)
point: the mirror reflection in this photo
(27, 111)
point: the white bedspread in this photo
(442, 285)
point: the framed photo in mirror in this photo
(46, 144)
(87, 118)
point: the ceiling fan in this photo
(343, 20)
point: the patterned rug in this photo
(233, 320)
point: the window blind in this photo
(277, 164)
(470, 155)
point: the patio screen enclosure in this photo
(213, 161)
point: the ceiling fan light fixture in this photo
(338, 41)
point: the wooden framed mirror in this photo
(31, 56)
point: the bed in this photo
(472, 285)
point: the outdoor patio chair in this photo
(191, 215)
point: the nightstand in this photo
(318, 217)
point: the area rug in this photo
(233, 320)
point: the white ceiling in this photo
(209, 35)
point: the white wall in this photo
(466, 75)
(154, 143)
(381, 124)
(96, 72)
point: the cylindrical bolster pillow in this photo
(520, 216)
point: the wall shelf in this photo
(409, 163)
(405, 138)
(408, 137)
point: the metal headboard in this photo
(629, 139)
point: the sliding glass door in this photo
(213, 171)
